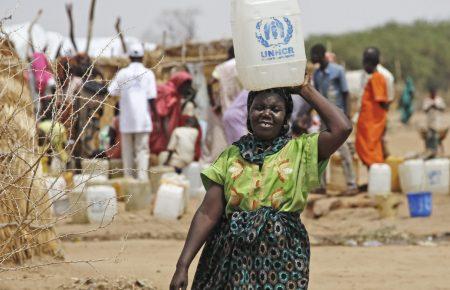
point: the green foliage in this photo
(420, 50)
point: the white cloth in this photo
(182, 143)
(135, 149)
(135, 85)
(230, 86)
(390, 81)
(434, 110)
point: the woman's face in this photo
(267, 115)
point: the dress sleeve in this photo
(216, 172)
(379, 88)
(311, 169)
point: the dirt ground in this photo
(411, 253)
(339, 268)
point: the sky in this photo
(318, 16)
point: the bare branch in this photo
(120, 33)
(30, 30)
(90, 25)
(71, 28)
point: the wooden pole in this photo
(30, 31)
(90, 25)
(71, 32)
(120, 33)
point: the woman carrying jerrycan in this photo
(249, 221)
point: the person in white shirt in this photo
(136, 86)
(434, 106)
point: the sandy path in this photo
(340, 268)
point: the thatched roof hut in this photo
(162, 60)
(26, 228)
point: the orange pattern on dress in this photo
(284, 169)
(277, 198)
(236, 197)
(236, 169)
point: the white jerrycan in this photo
(437, 172)
(268, 43)
(379, 179)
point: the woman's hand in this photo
(306, 82)
(179, 279)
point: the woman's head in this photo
(269, 112)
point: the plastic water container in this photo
(394, 163)
(78, 200)
(437, 173)
(170, 201)
(95, 167)
(192, 173)
(268, 43)
(138, 194)
(102, 204)
(178, 180)
(56, 187)
(115, 168)
(412, 175)
(380, 179)
(155, 175)
(81, 180)
(420, 204)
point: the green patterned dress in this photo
(261, 242)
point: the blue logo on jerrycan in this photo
(275, 34)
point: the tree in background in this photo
(419, 50)
(179, 26)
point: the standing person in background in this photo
(434, 107)
(226, 76)
(329, 80)
(390, 83)
(373, 115)
(136, 87)
(406, 102)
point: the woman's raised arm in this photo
(338, 125)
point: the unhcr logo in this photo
(275, 34)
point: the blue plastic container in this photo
(420, 204)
